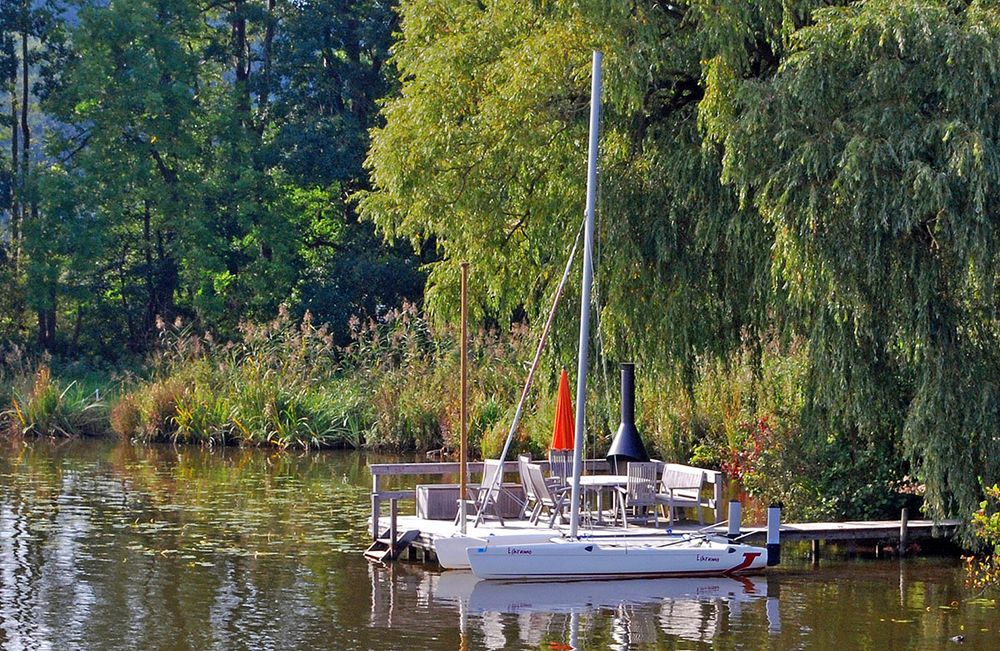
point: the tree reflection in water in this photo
(108, 546)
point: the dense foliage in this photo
(188, 158)
(773, 172)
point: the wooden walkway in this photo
(859, 531)
(878, 532)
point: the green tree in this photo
(871, 153)
(214, 167)
(771, 170)
(483, 155)
(32, 44)
(330, 68)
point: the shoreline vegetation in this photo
(394, 386)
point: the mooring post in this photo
(392, 527)
(904, 523)
(814, 551)
(717, 495)
(735, 515)
(376, 506)
(774, 534)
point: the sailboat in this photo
(576, 558)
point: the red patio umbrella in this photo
(564, 429)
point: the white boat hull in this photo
(566, 560)
(452, 551)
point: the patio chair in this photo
(680, 486)
(554, 500)
(560, 466)
(485, 500)
(640, 491)
(531, 501)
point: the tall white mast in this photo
(588, 276)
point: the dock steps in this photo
(385, 549)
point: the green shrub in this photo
(983, 569)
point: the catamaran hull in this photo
(588, 560)
(452, 552)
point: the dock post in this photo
(393, 510)
(735, 515)
(773, 534)
(376, 506)
(904, 523)
(717, 496)
(815, 551)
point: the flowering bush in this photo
(983, 570)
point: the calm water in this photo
(106, 546)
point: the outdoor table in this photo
(598, 483)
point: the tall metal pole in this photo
(588, 276)
(463, 468)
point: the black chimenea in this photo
(627, 445)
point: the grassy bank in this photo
(395, 386)
(286, 384)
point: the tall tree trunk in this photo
(78, 327)
(264, 94)
(241, 63)
(25, 130)
(152, 289)
(50, 317)
(15, 152)
(46, 321)
(43, 340)
(169, 275)
(122, 285)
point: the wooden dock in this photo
(421, 532)
(876, 532)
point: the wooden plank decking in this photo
(878, 531)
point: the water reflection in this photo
(107, 546)
(694, 609)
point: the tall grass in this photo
(410, 371)
(396, 386)
(285, 383)
(36, 403)
(278, 385)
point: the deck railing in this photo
(381, 496)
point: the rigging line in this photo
(601, 352)
(602, 356)
(534, 366)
